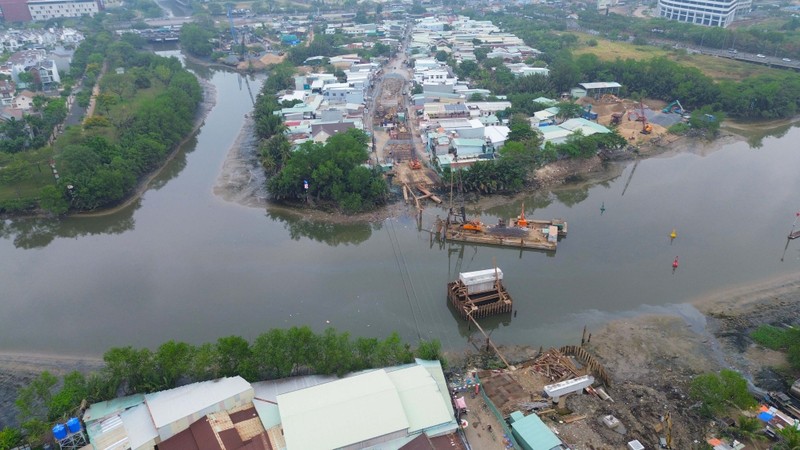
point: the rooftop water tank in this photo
(74, 425)
(59, 431)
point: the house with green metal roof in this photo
(532, 434)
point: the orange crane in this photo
(521, 221)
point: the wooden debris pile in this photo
(554, 365)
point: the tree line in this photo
(756, 97)
(277, 353)
(130, 134)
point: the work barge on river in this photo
(520, 232)
(479, 294)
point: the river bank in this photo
(658, 353)
(205, 107)
(652, 359)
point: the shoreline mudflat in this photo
(648, 348)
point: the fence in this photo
(507, 435)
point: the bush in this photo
(770, 336)
(717, 392)
(431, 351)
(679, 128)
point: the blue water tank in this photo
(59, 431)
(74, 425)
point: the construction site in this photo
(572, 396)
(641, 122)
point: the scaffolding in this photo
(73, 441)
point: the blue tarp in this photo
(765, 416)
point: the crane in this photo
(230, 20)
(646, 127)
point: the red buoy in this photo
(675, 263)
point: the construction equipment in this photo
(588, 114)
(472, 225)
(414, 164)
(674, 107)
(230, 20)
(521, 222)
(667, 442)
(646, 127)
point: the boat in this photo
(794, 234)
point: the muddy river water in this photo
(183, 263)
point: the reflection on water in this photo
(333, 234)
(755, 133)
(39, 233)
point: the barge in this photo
(479, 294)
(522, 233)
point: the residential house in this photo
(24, 100)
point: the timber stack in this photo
(479, 294)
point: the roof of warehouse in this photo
(174, 404)
(419, 395)
(331, 409)
(600, 85)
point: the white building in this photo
(342, 93)
(50, 9)
(385, 408)
(714, 13)
(140, 422)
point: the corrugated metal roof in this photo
(333, 410)
(270, 390)
(139, 426)
(420, 397)
(535, 433)
(600, 85)
(168, 406)
(102, 409)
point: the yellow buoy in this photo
(673, 235)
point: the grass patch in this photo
(770, 336)
(38, 175)
(712, 66)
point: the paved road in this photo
(773, 61)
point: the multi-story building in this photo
(714, 13)
(50, 9)
(14, 11)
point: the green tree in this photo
(441, 55)
(790, 438)
(234, 358)
(67, 400)
(720, 391)
(16, 171)
(431, 350)
(481, 54)
(130, 370)
(520, 128)
(569, 110)
(53, 200)
(172, 362)
(33, 400)
(196, 39)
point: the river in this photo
(182, 263)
